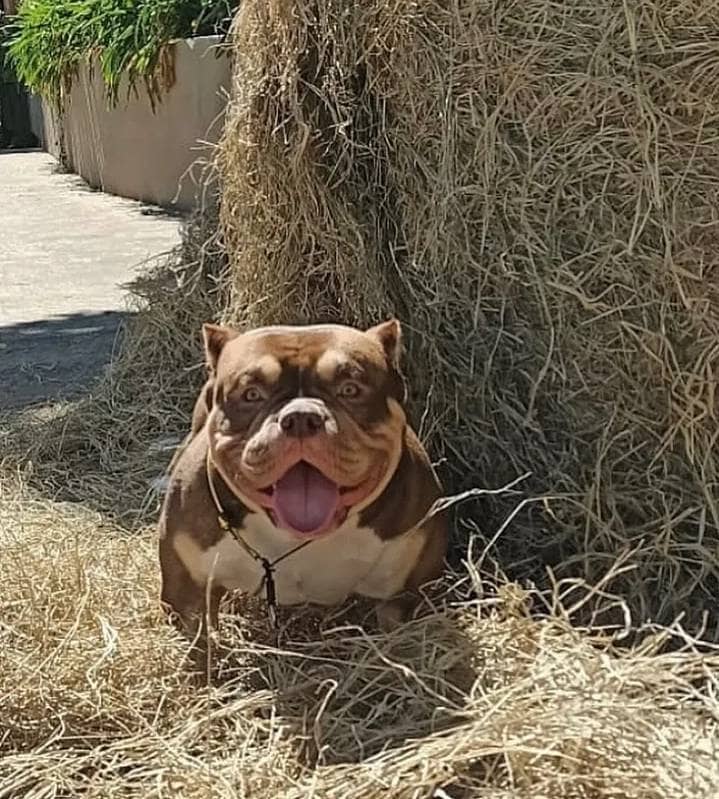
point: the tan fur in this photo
(327, 364)
(270, 368)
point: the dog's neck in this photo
(229, 504)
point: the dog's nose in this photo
(302, 423)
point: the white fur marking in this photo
(351, 560)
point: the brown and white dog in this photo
(299, 437)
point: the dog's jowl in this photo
(300, 477)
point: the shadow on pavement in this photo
(55, 358)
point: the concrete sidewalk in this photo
(64, 252)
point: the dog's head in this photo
(306, 423)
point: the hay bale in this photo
(534, 189)
(476, 698)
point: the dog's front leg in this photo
(192, 608)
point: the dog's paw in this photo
(391, 615)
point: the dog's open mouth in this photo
(305, 502)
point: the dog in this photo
(300, 476)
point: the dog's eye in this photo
(350, 390)
(252, 394)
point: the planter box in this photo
(129, 150)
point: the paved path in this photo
(65, 252)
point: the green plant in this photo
(51, 38)
(5, 63)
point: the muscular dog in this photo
(301, 456)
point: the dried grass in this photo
(477, 698)
(533, 187)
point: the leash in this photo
(268, 566)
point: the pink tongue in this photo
(304, 499)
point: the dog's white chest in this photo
(352, 560)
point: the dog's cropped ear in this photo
(389, 335)
(215, 337)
